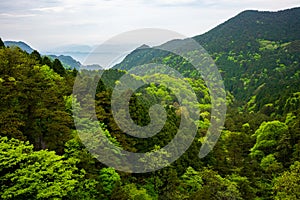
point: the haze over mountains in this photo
(22, 45)
(76, 51)
(244, 47)
(69, 55)
(50, 115)
(253, 52)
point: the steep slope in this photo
(242, 31)
(139, 56)
(257, 54)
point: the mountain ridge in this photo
(67, 61)
(24, 46)
(256, 25)
(254, 51)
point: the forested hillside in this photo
(256, 157)
(253, 51)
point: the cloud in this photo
(265, 4)
(50, 9)
(12, 15)
(271, 4)
(174, 2)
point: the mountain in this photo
(78, 52)
(92, 67)
(141, 55)
(50, 118)
(240, 33)
(247, 27)
(70, 63)
(67, 61)
(20, 44)
(73, 48)
(257, 53)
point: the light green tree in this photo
(109, 178)
(28, 174)
(267, 138)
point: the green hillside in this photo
(50, 117)
(242, 31)
(253, 51)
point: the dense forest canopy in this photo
(257, 155)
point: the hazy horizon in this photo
(46, 25)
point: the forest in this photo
(256, 157)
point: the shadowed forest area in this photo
(256, 157)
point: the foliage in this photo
(109, 178)
(28, 174)
(267, 138)
(287, 186)
(256, 157)
(1, 43)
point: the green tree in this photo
(37, 56)
(267, 138)
(130, 192)
(47, 123)
(266, 154)
(191, 180)
(1, 43)
(28, 174)
(287, 186)
(58, 67)
(216, 187)
(75, 149)
(244, 186)
(270, 165)
(109, 179)
(12, 70)
(46, 61)
(32, 106)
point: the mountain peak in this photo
(20, 44)
(144, 46)
(250, 25)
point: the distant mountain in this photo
(70, 63)
(144, 46)
(141, 55)
(73, 48)
(22, 45)
(67, 61)
(92, 67)
(257, 53)
(77, 52)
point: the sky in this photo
(47, 24)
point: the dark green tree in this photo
(2, 45)
(36, 56)
(58, 67)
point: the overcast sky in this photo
(45, 24)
